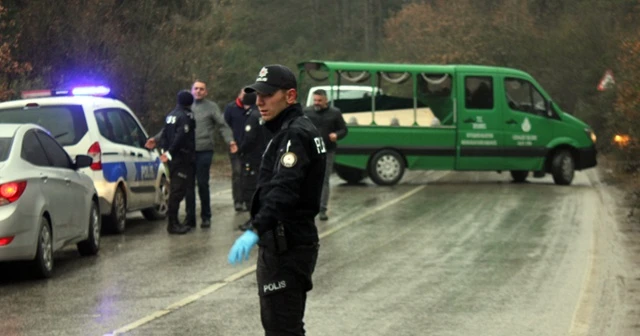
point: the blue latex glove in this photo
(242, 247)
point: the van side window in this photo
(112, 127)
(522, 96)
(478, 92)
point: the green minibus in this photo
(450, 117)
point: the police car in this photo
(85, 120)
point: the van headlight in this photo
(590, 134)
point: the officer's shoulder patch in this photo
(289, 159)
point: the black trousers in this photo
(249, 182)
(236, 178)
(283, 282)
(181, 180)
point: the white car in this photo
(127, 176)
(344, 92)
(45, 202)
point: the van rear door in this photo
(480, 129)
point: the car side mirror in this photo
(83, 161)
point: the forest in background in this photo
(147, 50)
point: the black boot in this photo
(190, 223)
(174, 227)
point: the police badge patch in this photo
(289, 159)
(247, 128)
(186, 128)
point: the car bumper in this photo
(106, 191)
(586, 158)
(24, 230)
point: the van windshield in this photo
(66, 123)
(5, 148)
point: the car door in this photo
(119, 152)
(480, 129)
(146, 164)
(74, 196)
(528, 128)
(52, 185)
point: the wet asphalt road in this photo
(439, 254)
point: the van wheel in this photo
(386, 167)
(519, 176)
(91, 246)
(42, 264)
(116, 220)
(562, 167)
(159, 211)
(350, 174)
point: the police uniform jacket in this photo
(178, 135)
(290, 178)
(255, 139)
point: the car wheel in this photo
(118, 217)
(386, 167)
(91, 246)
(159, 211)
(562, 167)
(519, 176)
(350, 174)
(42, 264)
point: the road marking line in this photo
(236, 276)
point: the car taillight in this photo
(95, 152)
(5, 240)
(10, 192)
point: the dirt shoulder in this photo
(616, 288)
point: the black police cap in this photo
(272, 78)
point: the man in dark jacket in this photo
(251, 147)
(284, 205)
(235, 115)
(331, 125)
(179, 143)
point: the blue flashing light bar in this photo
(91, 91)
(78, 91)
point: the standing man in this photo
(284, 206)
(250, 150)
(178, 142)
(235, 114)
(208, 117)
(331, 125)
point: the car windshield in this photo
(5, 148)
(350, 94)
(66, 123)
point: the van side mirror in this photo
(83, 161)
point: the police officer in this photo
(178, 142)
(252, 145)
(284, 205)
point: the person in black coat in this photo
(284, 205)
(253, 144)
(331, 125)
(179, 143)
